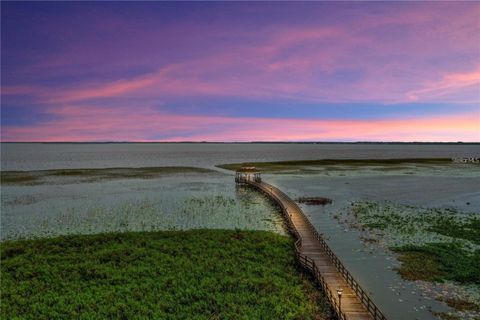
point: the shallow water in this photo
(176, 201)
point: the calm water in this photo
(59, 156)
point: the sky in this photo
(240, 71)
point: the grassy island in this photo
(198, 274)
(349, 164)
(28, 178)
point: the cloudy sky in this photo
(231, 71)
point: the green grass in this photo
(18, 178)
(198, 274)
(92, 175)
(461, 304)
(292, 165)
(439, 262)
(468, 230)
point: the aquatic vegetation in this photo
(354, 163)
(439, 262)
(62, 176)
(451, 227)
(201, 274)
(397, 225)
(147, 214)
(18, 178)
(178, 201)
(26, 199)
(447, 316)
(314, 201)
(432, 244)
(461, 304)
(349, 168)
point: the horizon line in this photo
(269, 142)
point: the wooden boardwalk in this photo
(315, 255)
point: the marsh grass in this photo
(439, 262)
(350, 164)
(451, 227)
(19, 178)
(62, 176)
(435, 245)
(448, 316)
(198, 274)
(461, 304)
(402, 225)
(249, 210)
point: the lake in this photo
(40, 156)
(210, 199)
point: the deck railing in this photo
(308, 263)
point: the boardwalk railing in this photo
(306, 262)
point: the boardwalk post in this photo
(339, 293)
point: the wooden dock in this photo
(315, 255)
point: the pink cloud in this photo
(431, 54)
(450, 84)
(301, 63)
(146, 124)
